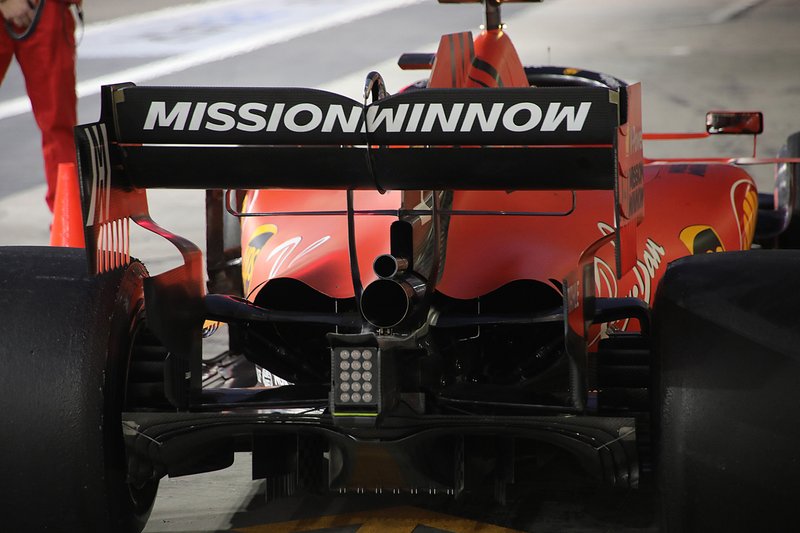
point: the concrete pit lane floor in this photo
(557, 498)
(690, 56)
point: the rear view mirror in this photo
(735, 122)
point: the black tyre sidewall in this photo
(725, 337)
(790, 238)
(64, 356)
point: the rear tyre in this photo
(726, 336)
(790, 238)
(65, 350)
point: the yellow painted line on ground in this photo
(391, 520)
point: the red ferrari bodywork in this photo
(717, 213)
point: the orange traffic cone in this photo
(67, 228)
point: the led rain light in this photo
(354, 382)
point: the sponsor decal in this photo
(280, 254)
(629, 194)
(268, 379)
(644, 270)
(700, 239)
(309, 117)
(744, 201)
(258, 239)
(632, 188)
(634, 206)
(703, 239)
(605, 280)
(210, 327)
(283, 251)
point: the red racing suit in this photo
(47, 60)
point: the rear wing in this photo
(306, 138)
(435, 139)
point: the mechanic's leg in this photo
(47, 59)
(6, 53)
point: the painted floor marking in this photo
(391, 520)
(211, 49)
(733, 11)
(188, 28)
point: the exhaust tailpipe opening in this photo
(386, 303)
(388, 266)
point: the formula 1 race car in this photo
(432, 287)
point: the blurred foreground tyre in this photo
(790, 238)
(64, 352)
(727, 355)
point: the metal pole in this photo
(493, 15)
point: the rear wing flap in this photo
(304, 138)
(436, 139)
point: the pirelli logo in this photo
(307, 117)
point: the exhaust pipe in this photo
(387, 266)
(387, 302)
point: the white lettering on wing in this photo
(308, 117)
